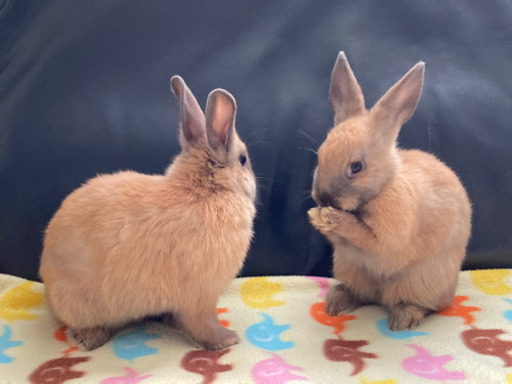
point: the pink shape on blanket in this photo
(424, 364)
(275, 371)
(132, 377)
(323, 284)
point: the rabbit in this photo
(128, 246)
(399, 220)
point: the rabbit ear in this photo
(220, 122)
(192, 117)
(400, 101)
(346, 96)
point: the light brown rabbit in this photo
(127, 246)
(399, 220)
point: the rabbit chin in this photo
(348, 203)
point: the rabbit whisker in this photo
(310, 138)
(308, 150)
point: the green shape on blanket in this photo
(266, 334)
(132, 345)
(5, 343)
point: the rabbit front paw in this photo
(340, 301)
(87, 339)
(406, 316)
(325, 219)
(331, 221)
(205, 330)
(222, 338)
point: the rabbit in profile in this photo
(127, 246)
(399, 220)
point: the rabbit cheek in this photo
(347, 196)
(315, 194)
(249, 187)
(245, 184)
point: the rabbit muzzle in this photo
(338, 195)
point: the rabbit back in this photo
(133, 236)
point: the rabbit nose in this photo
(325, 200)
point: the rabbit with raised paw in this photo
(399, 220)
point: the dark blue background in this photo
(84, 89)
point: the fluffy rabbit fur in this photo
(399, 220)
(128, 246)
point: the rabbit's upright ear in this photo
(220, 123)
(192, 117)
(346, 96)
(399, 102)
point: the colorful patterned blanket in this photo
(286, 337)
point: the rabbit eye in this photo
(356, 167)
(243, 159)
(353, 169)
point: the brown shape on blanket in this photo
(348, 351)
(206, 364)
(57, 371)
(486, 342)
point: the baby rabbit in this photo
(127, 246)
(399, 220)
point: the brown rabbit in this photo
(127, 246)
(399, 220)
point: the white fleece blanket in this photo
(286, 337)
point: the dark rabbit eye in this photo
(356, 167)
(353, 169)
(243, 159)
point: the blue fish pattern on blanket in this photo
(508, 314)
(132, 345)
(266, 334)
(383, 327)
(6, 343)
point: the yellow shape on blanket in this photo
(509, 378)
(365, 380)
(493, 281)
(15, 304)
(257, 292)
